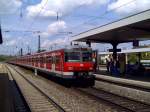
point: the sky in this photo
(56, 21)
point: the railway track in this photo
(126, 104)
(71, 99)
(92, 97)
(36, 99)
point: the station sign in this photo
(117, 50)
(135, 43)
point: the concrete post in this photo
(35, 72)
(139, 57)
(126, 58)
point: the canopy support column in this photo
(114, 44)
(88, 43)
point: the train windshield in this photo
(86, 56)
(82, 56)
(72, 57)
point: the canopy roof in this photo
(135, 27)
(136, 50)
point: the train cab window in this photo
(72, 57)
(86, 56)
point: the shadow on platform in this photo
(6, 102)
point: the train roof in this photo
(129, 51)
(67, 48)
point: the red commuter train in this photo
(69, 64)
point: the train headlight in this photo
(91, 68)
(70, 68)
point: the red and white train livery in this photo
(73, 63)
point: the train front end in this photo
(79, 64)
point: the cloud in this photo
(51, 7)
(129, 6)
(9, 6)
(10, 40)
(11, 43)
(59, 41)
(54, 28)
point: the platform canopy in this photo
(135, 27)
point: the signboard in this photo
(117, 50)
(135, 43)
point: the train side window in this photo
(32, 60)
(49, 59)
(41, 59)
(53, 59)
(37, 59)
(57, 59)
(44, 59)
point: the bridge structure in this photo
(133, 28)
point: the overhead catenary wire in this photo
(98, 17)
(38, 14)
(35, 18)
(102, 15)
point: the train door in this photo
(58, 63)
(45, 61)
(95, 59)
(42, 61)
(53, 62)
(36, 61)
(62, 63)
(49, 62)
(39, 61)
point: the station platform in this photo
(129, 88)
(125, 80)
(145, 77)
(6, 100)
